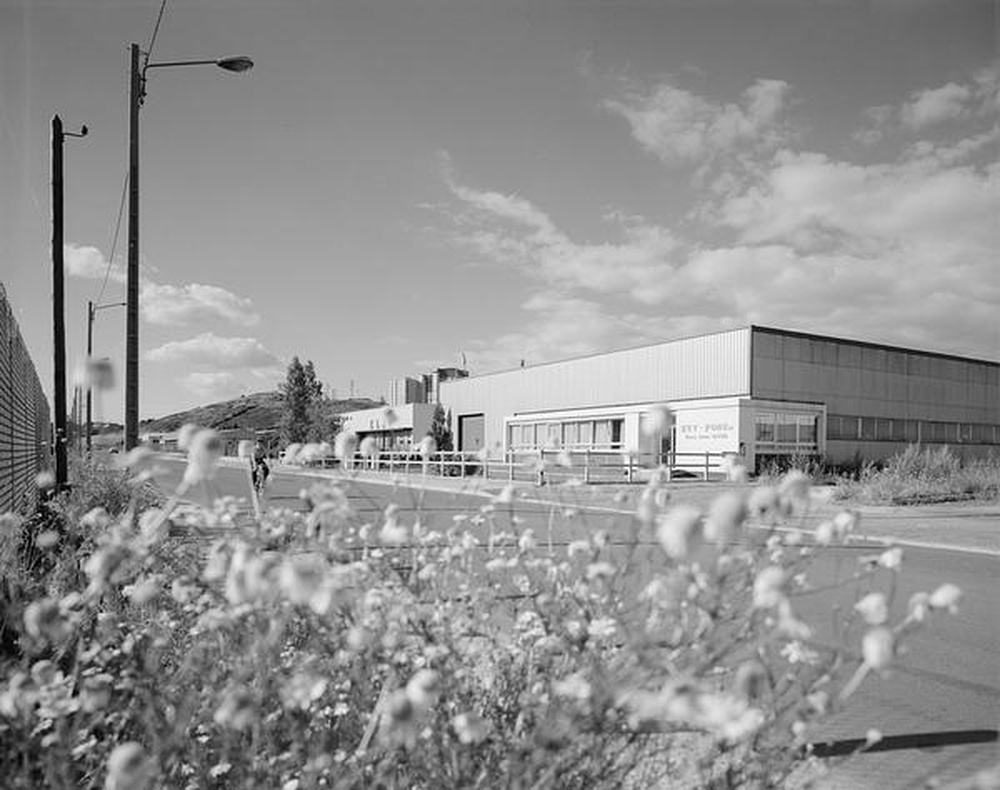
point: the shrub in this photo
(924, 475)
(396, 652)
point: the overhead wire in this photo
(121, 203)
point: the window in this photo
(841, 426)
(616, 433)
(787, 433)
(586, 433)
(764, 428)
(602, 433)
(883, 429)
(571, 434)
(868, 429)
(807, 429)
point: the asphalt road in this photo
(947, 684)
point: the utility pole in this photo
(132, 268)
(58, 299)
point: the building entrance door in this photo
(471, 432)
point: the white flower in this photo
(767, 587)
(45, 480)
(389, 417)
(471, 728)
(676, 528)
(600, 570)
(947, 597)
(204, 450)
(846, 522)
(877, 647)
(291, 454)
(154, 526)
(873, 608)
(505, 497)
(574, 686)
(10, 523)
(368, 447)
(657, 421)
(725, 515)
(427, 446)
(763, 499)
(918, 606)
(526, 542)
(794, 487)
(824, 533)
(127, 768)
(345, 445)
(424, 688)
(795, 652)
(575, 547)
(602, 629)
(245, 448)
(186, 434)
(873, 736)
(891, 558)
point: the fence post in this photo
(586, 465)
(510, 467)
(706, 465)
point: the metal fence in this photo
(547, 466)
(24, 418)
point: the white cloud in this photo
(178, 305)
(935, 105)
(89, 262)
(510, 229)
(219, 353)
(679, 126)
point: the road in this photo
(947, 685)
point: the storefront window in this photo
(764, 428)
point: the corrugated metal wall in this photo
(865, 379)
(24, 418)
(698, 367)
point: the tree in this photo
(441, 429)
(299, 393)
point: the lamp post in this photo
(137, 93)
(91, 312)
(58, 300)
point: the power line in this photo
(114, 240)
(156, 29)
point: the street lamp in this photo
(137, 93)
(91, 312)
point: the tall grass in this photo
(924, 475)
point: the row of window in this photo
(885, 429)
(793, 432)
(573, 434)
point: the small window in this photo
(868, 430)
(764, 428)
(602, 433)
(807, 429)
(787, 429)
(883, 429)
(616, 433)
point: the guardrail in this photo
(24, 418)
(545, 466)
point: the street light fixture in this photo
(137, 94)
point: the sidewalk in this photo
(962, 526)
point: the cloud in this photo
(178, 305)
(89, 262)
(679, 126)
(225, 384)
(509, 229)
(160, 303)
(219, 353)
(935, 105)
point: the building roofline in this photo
(869, 344)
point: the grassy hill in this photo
(259, 411)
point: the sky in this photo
(397, 186)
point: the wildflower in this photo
(47, 539)
(220, 769)
(505, 497)
(45, 480)
(600, 570)
(564, 459)
(128, 768)
(427, 446)
(204, 450)
(575, 547)
(245, 449)
(846, 522)
(345, 445)
(95, 694)
(471, 728)
(236, 710)
(794, 488)
(602, 629)
(290, 455)
(873, 608)
(185, 435)
(154, 526)
(43, 619)
(725, 515)
(872, 737)
(891, 558)
(10, 523)
(526, 542)
(574, 686)
(143, 590)
(392, 531)
(918, 606)
(302, 690)
(947, 597)
(676, 528)
(763, 499)
(657, 421)
(368, 447)
(795, 652)
(824, 533)
(424, 689)
(95, 519)
(877, 647)
(767, 587)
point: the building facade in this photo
(756, 392)
(394, 428)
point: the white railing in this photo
(545, 466)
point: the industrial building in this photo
(758, 393)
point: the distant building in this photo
(406, 389)
(396, 428)
(760, 393)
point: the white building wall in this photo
(716, 365)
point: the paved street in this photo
(947, 683)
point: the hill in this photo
(259, 411)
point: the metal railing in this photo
(24, 418)
(544, 466)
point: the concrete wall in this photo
(714, 365)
